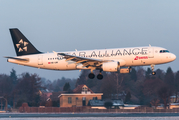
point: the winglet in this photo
(149, 45)
(55, 53)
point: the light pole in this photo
(5, 100)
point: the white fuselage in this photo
(137, 56)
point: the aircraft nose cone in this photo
(173, 57)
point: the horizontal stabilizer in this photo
(20, 59)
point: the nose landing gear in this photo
(153, 73)
(152, 67)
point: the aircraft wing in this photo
(87, 62)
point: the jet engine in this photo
(110, 66)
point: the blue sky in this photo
(66, 25)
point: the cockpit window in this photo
(164, 51)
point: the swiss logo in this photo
(143, 57)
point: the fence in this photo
(88, 109)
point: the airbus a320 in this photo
(109, 60)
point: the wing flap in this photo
(83, 60)
(78, 58)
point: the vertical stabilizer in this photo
(21, 44)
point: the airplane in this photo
(109, 60)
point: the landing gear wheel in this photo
(100, 77)
(153, 73)
(91, 75)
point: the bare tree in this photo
(165, 93)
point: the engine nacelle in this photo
(125, 70)
(110, 66)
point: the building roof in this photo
(79, 89)
(55, 95)
(79, 94)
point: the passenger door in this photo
(150, 52)
(40, 60)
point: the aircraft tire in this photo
(100, 77)
(91, 76)
(153, 73)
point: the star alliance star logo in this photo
(22, 45)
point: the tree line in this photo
(137, 87)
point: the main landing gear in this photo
(92, 76)
(152, 67)
(100, 76)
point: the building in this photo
(44, 94)
(173, 99)
(79, 97)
